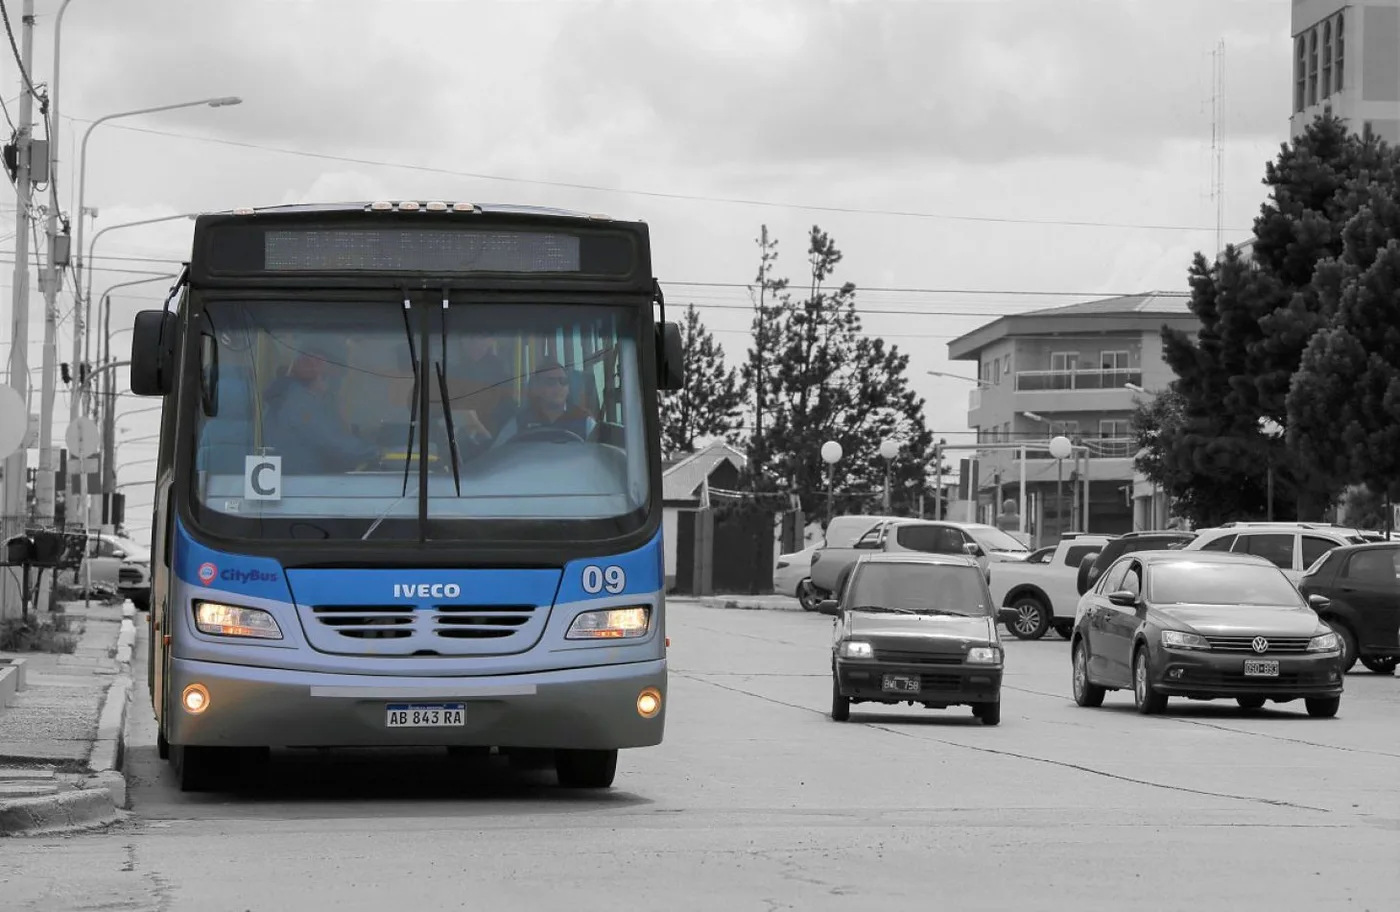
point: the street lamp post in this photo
(831, 454)
(1272, 430)
(889, 449)
(92, 244)
(82, 308)
(1060, 449)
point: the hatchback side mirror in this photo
(973, 548)
(828, 606)
(1318, 602)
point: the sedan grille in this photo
(1273, 645)
(904, 657)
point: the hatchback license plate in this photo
(1255, 668)
(901, 683)
(425, 715)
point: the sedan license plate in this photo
(1256, 668)
(902, 683)
(425, 715)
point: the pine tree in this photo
(826, 381)
(711, 403)
(759, 372)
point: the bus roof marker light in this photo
(381, 205)
(243, 210)
(437, 206)
(408, 206)
(463, 207)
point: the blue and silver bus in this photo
(408, 490)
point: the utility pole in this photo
(51, 282)
(16, 467)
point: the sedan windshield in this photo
(1203, 583)
(921, 589)
(317, 429)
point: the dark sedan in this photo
(919, 629)
(1362, 586)
(1203, 625)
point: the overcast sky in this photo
(944, 145)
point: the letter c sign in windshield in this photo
(262, 478)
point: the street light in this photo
(92, 244)
(981, 384)
(1060, 449)
(82, 309)
(831, 454)
(1135, 388)
(889, 449)
(1272, 430)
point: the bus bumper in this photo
(593, 708)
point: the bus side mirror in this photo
(153, 353)
(670, 362)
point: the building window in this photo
(1062, 368)
(1326, 59)
(1116, 429)
(996, 371)
(1300, 76)
(1006, 368)
(1066, 428)
(1006, 431)
(1312, 67)
(1338, 82)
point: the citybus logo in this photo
(427, 590)
(248, 576)
(207, 572)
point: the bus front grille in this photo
(415, 629)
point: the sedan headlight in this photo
(855, 649)
(1176, 639)
(984, 655)
(233, 621)
(611, 624)
(1327, 642)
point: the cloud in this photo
(872, 82)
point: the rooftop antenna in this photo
(1217, 144)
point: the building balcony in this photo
(1056, 381)
(974, 399)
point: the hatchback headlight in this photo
(611, 624)
(855, 649)
(232, 621)
(1176, 639)
(984, 655)
(1327, 642)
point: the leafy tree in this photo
(826, 381)
(1257, 317)
(710, 404)
(759, 372)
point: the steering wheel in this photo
(549, 434)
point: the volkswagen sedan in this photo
(1204, 626)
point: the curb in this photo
(65, 812)
(11, 680)
(740, 603)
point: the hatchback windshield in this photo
(1201, 583)
(922, 589)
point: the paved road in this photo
(758, 801)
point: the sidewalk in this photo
(741, 602)
(61, 721)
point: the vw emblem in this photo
(1260, 644)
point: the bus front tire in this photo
(586, 768)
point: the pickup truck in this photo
(1037, 596)
(831, 565)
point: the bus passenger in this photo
(479, 390)
(549, 406)
(305, 428)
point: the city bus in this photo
(408, 489)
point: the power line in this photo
(658, 194)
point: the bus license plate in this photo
(1256, 668)
(426, 715)
(901, 683)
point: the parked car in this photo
(1292, 547)
(1094, 564)
(793, 577)
(1205, 626)
(1362, 586)
(918, 629)
(832, 564)
(1033, 598)
(121, 563)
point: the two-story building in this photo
(1077, 371)
(1346, 61)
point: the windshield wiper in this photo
(882, 608)
(413, 397)
(446, 404)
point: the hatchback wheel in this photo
(807, 596)
(840, 706)
(1348, 641)
(1381, 666)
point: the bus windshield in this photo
(535, 411)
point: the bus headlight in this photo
(611, 624)
(232, 621)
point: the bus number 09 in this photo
(596, 579)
